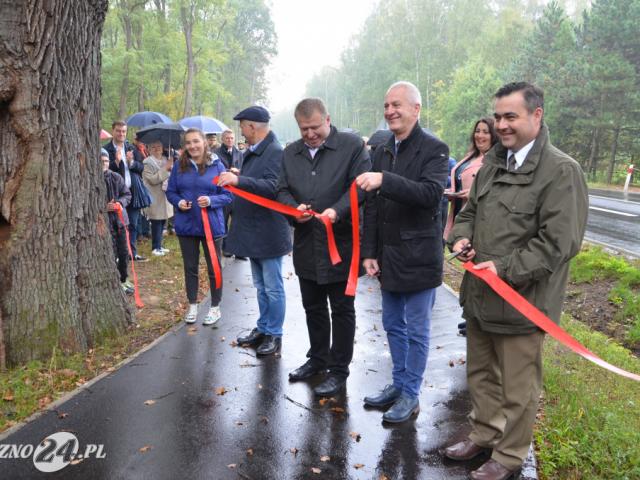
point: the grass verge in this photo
(31, 387)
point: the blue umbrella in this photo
(206, 124)
(144, 119)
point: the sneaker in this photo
(191, 315)
(128, 284)
(157, 252)
(213, 316)
(126, 289)
(139, 258)
(164, 250)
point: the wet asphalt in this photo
(262, 426)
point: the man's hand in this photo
(129, 157)
(111, 206)
(118, 156)
(227, 178)
(486, 266)
(305, 216)
(459, 246)
(204, 201)
(184, 205)
(169, 164)
(332, 214)
(235, 170)
(369, 181)
(371, 266)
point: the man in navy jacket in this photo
(257, 232)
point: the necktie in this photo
(512, 163)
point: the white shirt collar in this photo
(520, 154)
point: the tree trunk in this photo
(614, 150)
(593, 155)
(58, 281)
(186, 16)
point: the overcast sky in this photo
(311, 34)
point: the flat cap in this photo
(254, 114)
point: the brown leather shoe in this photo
(492, 470)
(465, 450)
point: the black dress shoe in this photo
(305, 371)
(269, 345)
(241, 258)
(332, 385)
(254, 338)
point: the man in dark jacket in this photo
(402, 243)
(526, 216)
(117, 192)
(257, 232)
(228, 153)
(126, 160)
(317, 171)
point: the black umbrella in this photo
(170, 134)
(379, 137)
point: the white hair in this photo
(412, 91)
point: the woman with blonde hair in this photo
(191, 189)
(156, 178)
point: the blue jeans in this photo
(157, 227)
(406, 317)
(267, 278)
(134, 214)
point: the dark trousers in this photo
(134, 216)
(190, 248)
(119, 241)
(157, 228)
(330, 336)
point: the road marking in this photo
(612, 211)
(615, 199)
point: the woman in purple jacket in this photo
(190, 189)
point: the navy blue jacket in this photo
(257, 232)
(140, 197)
(190, 185)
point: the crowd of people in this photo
(517, 208)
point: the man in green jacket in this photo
(525, 219)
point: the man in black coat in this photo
(402, 243)
(228, 153)
(316, 174)
(257, 232)
(127, 160)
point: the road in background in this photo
(614, 220)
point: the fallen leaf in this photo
(451, 364)
(316, 470)
(44, 401)
(232, 466)
(237, 289)
(149, 402)
(145, 449)
(233, 343)
(358, 466)
(8, 397)
(67, 372)
(325, 458)
(356, 436)
(221, 391)
(76, 461)
(294, 450)
(250, 451)
(192, 330)
(461, 361)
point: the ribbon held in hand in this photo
(352, 281)
(211, 247)
(139, 303)
(521, 304)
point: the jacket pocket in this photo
(523, 205)
(416, 246)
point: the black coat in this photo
(233, 160)
(257, 232)
(118, 191)
(323, 182)
(402, 227)
(140, 197)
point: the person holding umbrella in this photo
(156, 172)
(191, 189)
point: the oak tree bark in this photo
(58, 280)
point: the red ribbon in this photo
(212, 249)
(136, 292)
(352, 281)
(518, 302)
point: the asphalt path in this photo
(614, 220)
(196, 406)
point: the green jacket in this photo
(530, 223)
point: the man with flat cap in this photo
(257, 232)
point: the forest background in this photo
(189, 57)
